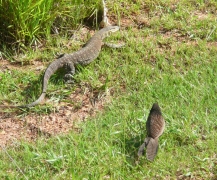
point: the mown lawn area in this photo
(169, 57)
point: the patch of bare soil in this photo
(5, 65)
(65, 118)
(36, 66)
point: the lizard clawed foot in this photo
(68, 78)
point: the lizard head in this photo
(106, 31)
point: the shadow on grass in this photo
(132, 146)
(131, 149)
(35, 87)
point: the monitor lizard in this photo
(83, 56)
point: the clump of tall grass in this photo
(26, 22)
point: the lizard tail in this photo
(39, 100)
(7, 106)
(48, 72)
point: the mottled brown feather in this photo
(141, 149)
(151, 148)
(155, 123)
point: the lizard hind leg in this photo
(70, 72)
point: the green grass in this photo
(173, 62)
(28, 22)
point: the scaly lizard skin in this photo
(83, 56)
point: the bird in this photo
(155, 126)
